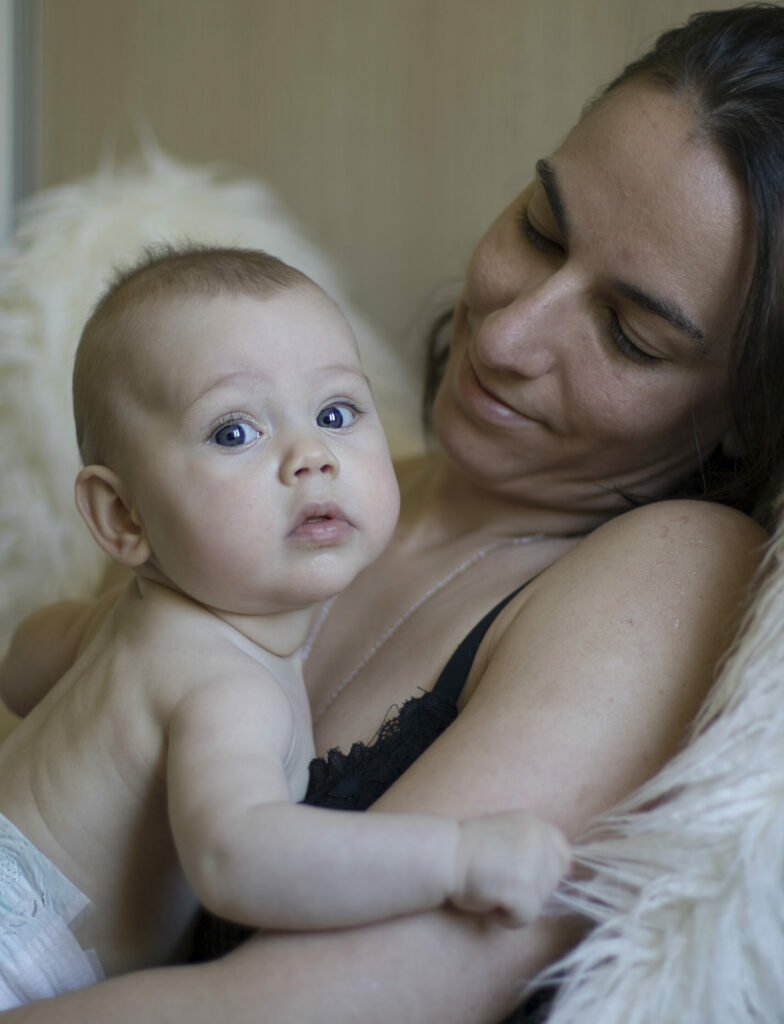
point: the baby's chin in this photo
(295, 585)
(327, 575)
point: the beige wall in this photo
(395, 129)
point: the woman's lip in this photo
(485, 404)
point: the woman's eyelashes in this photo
(625, 345)
(535, 236)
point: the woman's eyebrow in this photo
(547, 176)
(664, 308)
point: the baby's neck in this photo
(280, 634)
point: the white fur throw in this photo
(69, 241)
(688, 893)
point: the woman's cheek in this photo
(496, 271)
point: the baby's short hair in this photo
(163, 272)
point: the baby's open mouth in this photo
(321, 523)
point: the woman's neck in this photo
(440, 505)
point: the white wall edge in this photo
(7, 141)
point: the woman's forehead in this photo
(650, 202)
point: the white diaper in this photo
(39, 908)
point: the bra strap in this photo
(455, 673)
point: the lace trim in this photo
(355, 780)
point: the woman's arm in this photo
(584, 688)
(593, 676)
(255, 857)
(45, 643)
(43, 647)
(328, 978)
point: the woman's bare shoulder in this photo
(682, 521)
(693, 544)
(675, 571)
(603, 661)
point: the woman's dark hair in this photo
(730, 65)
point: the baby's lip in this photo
(319, 512)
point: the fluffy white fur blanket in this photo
(68, 242)
(688, 891)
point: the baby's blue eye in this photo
(336, 416)
(235, 435)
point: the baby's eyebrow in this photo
(345, 370)
(219, 382)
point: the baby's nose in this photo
(306, 457)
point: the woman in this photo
(615, 339)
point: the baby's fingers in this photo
(512, 863)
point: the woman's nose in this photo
(524, 335)
(307, 455)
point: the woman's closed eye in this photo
(624, 344)
(535, 236)
(235, 434)
(338, 416)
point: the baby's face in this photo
(253, 451)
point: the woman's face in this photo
(591, 340)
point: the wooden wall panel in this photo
(395, 129)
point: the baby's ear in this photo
(105, 506)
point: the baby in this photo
(233, 459)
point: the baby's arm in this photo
(255, 857)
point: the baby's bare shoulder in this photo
(170, 633)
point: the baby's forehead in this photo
(223, 306)
(187, 335)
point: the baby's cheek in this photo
(381, 511)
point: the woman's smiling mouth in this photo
(484, 404)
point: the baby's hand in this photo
(508, 864)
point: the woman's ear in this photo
(105, 506)
(731, 446)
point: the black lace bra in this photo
(353, 781)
